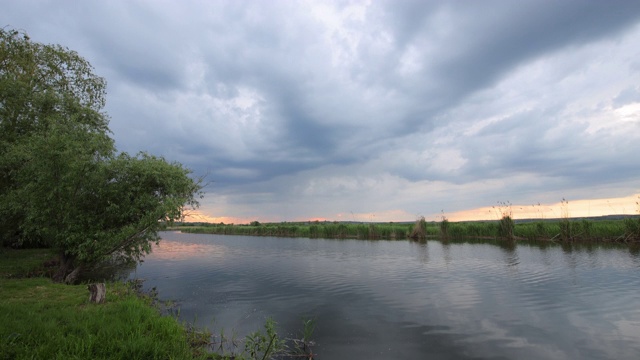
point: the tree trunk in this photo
(97, 292)
(67, 272)
(73, 276)
(65, 264)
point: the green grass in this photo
(24, 262)
(44, 320)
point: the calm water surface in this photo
(407, 300)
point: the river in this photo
(408, 300)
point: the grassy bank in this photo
(44, 320)
(622, 230)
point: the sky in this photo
(370, 110)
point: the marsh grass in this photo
(632, 229)
(627, 230)
(326, 230)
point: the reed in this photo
(444, 226)
(419, 231)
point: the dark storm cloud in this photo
(403, 99)
(483, 40)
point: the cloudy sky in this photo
(369, 110)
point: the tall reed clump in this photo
(506, 227)
(506, 224)
(566, 233)
(419, 231)
(444, 227)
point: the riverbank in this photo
(626, 230)
(44, 320)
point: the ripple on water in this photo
(433, 300)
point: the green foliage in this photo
(62, 183)
(308, 329)
(43, 90)
(262, 345)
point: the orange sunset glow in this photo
(628, 205)
(579, 208)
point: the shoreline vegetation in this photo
(615, 228)
(42, 319)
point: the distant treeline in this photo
(625, 230)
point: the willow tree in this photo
(41, 86)
(62, 184)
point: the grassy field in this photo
(44, 320)
(623, 230)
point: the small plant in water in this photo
(261, 345)
(302, 347)
(265, 344)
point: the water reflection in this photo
(397, 299)
(175, 251)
